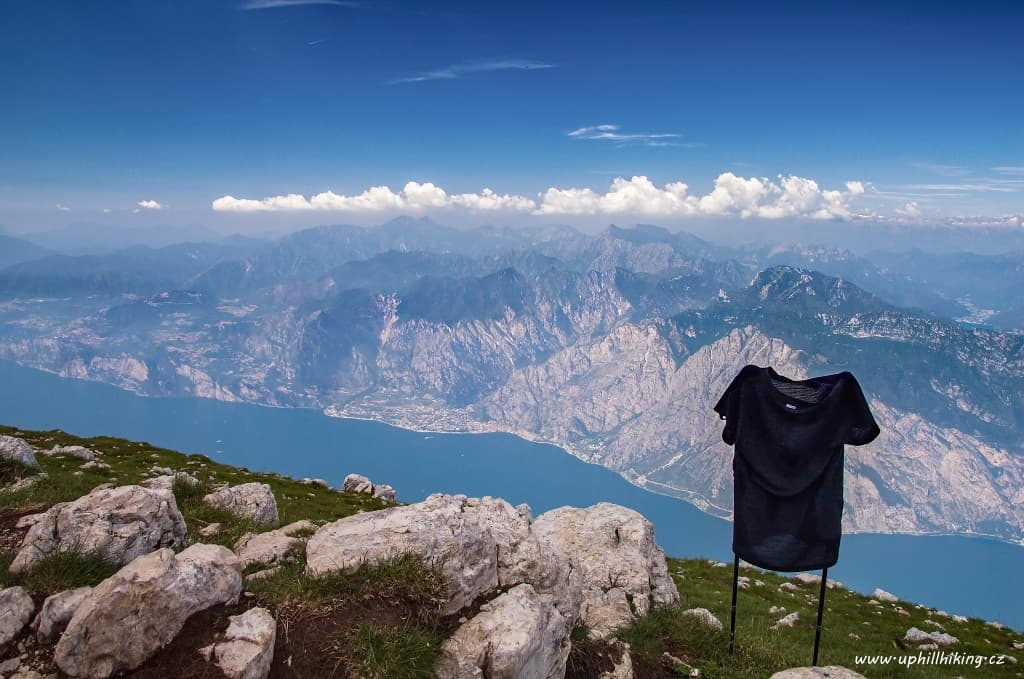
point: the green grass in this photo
(130, 462)
(414, 593)
(760, 651)
(382, 652)
(66, 569)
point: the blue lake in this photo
(969, 576)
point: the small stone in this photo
(265, 573)
(787, 621)
(774, 610)
(916, 636)
(788, 587)
(209, 532)
(703, 616)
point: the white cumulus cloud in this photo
(414, 196)
(150, 205)
(732, 195)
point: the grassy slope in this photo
(386, 617)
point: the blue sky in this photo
(155, 110)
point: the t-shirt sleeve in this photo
(863, 428)
(728, 407)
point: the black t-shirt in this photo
(788, 463)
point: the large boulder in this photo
(518, 635)
(622, 569)
(247, 649)
(16, 610)
(141, 608)
(438, 529)
(56, 613)
(252, 500)
(17, 450)
(120, 523)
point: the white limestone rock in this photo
(271, 548)
(166, 481)
(613, 550)
(827, 672)
(297, 527)
(251, 500)
(81, 452)
(29, 520)
(703, 616)
(384, 492)
(247, 649)
(16, 610)
(787, 620)
(141, 608)
(788, 587)
(314, 482)
(357, 483)
(121, 523)
(518, 635)
(56, 612)
(882, 595)
(17, 450)
(210, 531)
(623, 668)
(460, 543)
(916, 636)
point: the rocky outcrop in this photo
(437, 529)
(16, 610)
(518, 635)
(56, 613)
(142, 607)
(247, 649)
(120, 523)
(17, 450)
(622, 569)
(251, 500)
(357, 483)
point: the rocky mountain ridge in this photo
(613, 347)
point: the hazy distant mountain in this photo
(14, 250)
(84, 238)
(613, 345)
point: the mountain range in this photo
(612, 345)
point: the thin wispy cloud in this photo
(272, 4)
(981, 186)
(940, 169)
(456, 71)
(1009, 169)
(611, 133)
(315, 42)
(63, 208)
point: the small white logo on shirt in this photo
(791, 406)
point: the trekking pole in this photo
(821, 609)
(732, 615)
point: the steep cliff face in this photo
(615, 347)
